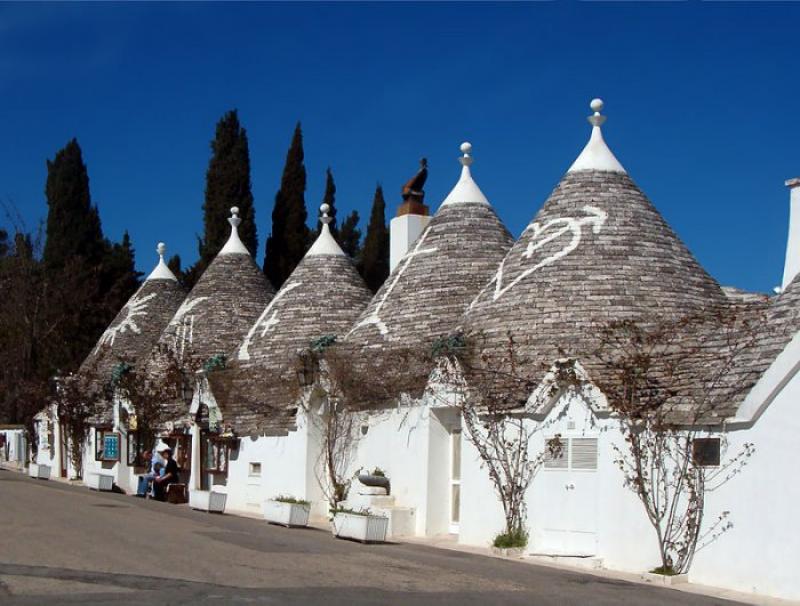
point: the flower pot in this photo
(286, 514)
(208, 500)
(364, 528)
(100, 481)
(665, 579)
(40, 472)
(513, 553)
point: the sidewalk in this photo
(449, 542)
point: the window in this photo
(254, 470)
(136, 448)
(575, 454)
(216, 453)
(106, 445)
(706, 452)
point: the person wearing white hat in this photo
(169, 476)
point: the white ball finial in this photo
(596, 119)
(235, 211)
(466, 149)
(325, 218)
(161, 249)
(234, 219)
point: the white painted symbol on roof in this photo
(135, 308)
(264, 323)
(374, 317)
(544, 234)
(184, 326)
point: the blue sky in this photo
(701, 101)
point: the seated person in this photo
(143, 487)
(169, 476)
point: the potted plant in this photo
(287, 511)
(360, 525)
(665, 575)
(100, 481)
(510, 544)
(208, 500)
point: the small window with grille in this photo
(706, 452)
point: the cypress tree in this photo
(73, 224)
(228, 185)
(174, 265)
(350, 235)
(119, 276)
(375, 254)
(289, 239)
(330, 199)
(3, 243)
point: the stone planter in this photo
(364, 528)
(100, 481)
(512, 553)
(287, 514)
(208, 500)
(40, 472)
(665, 579)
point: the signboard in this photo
(111, 447)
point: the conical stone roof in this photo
(427, 292)
(139, 323)
(597, 251)
(216, 314)
(322, 297)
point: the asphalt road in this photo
(67, 545)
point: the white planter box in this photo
(367, 529)
(287, 514)
(665, 579)
(205, 500)
(40, 472)
(100, 481)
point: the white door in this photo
(455, 480)
(567, 520)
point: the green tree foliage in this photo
(3, 243)
(227, 185)
(289, 239)
(374, 264)
(73, 223)
(60, 289)
(330, 199)
(350, 235)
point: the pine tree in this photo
(73, 224)
(227, 185)
(330, 199)
(375, 254)
(350, 235)
(289, 239)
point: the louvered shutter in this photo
(584, 453)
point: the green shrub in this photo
(511, 540)
(355, 512)
(668, 571)
(282, 498)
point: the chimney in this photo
(792, 265)
(412, 217)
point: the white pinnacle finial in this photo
(161, 271)
(234, 245)
(325, 244)
(596, 155)
(596, 119)
(325, 218)
(466, 149)
(234, 219)
(466, 190)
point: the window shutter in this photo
(584, 453)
